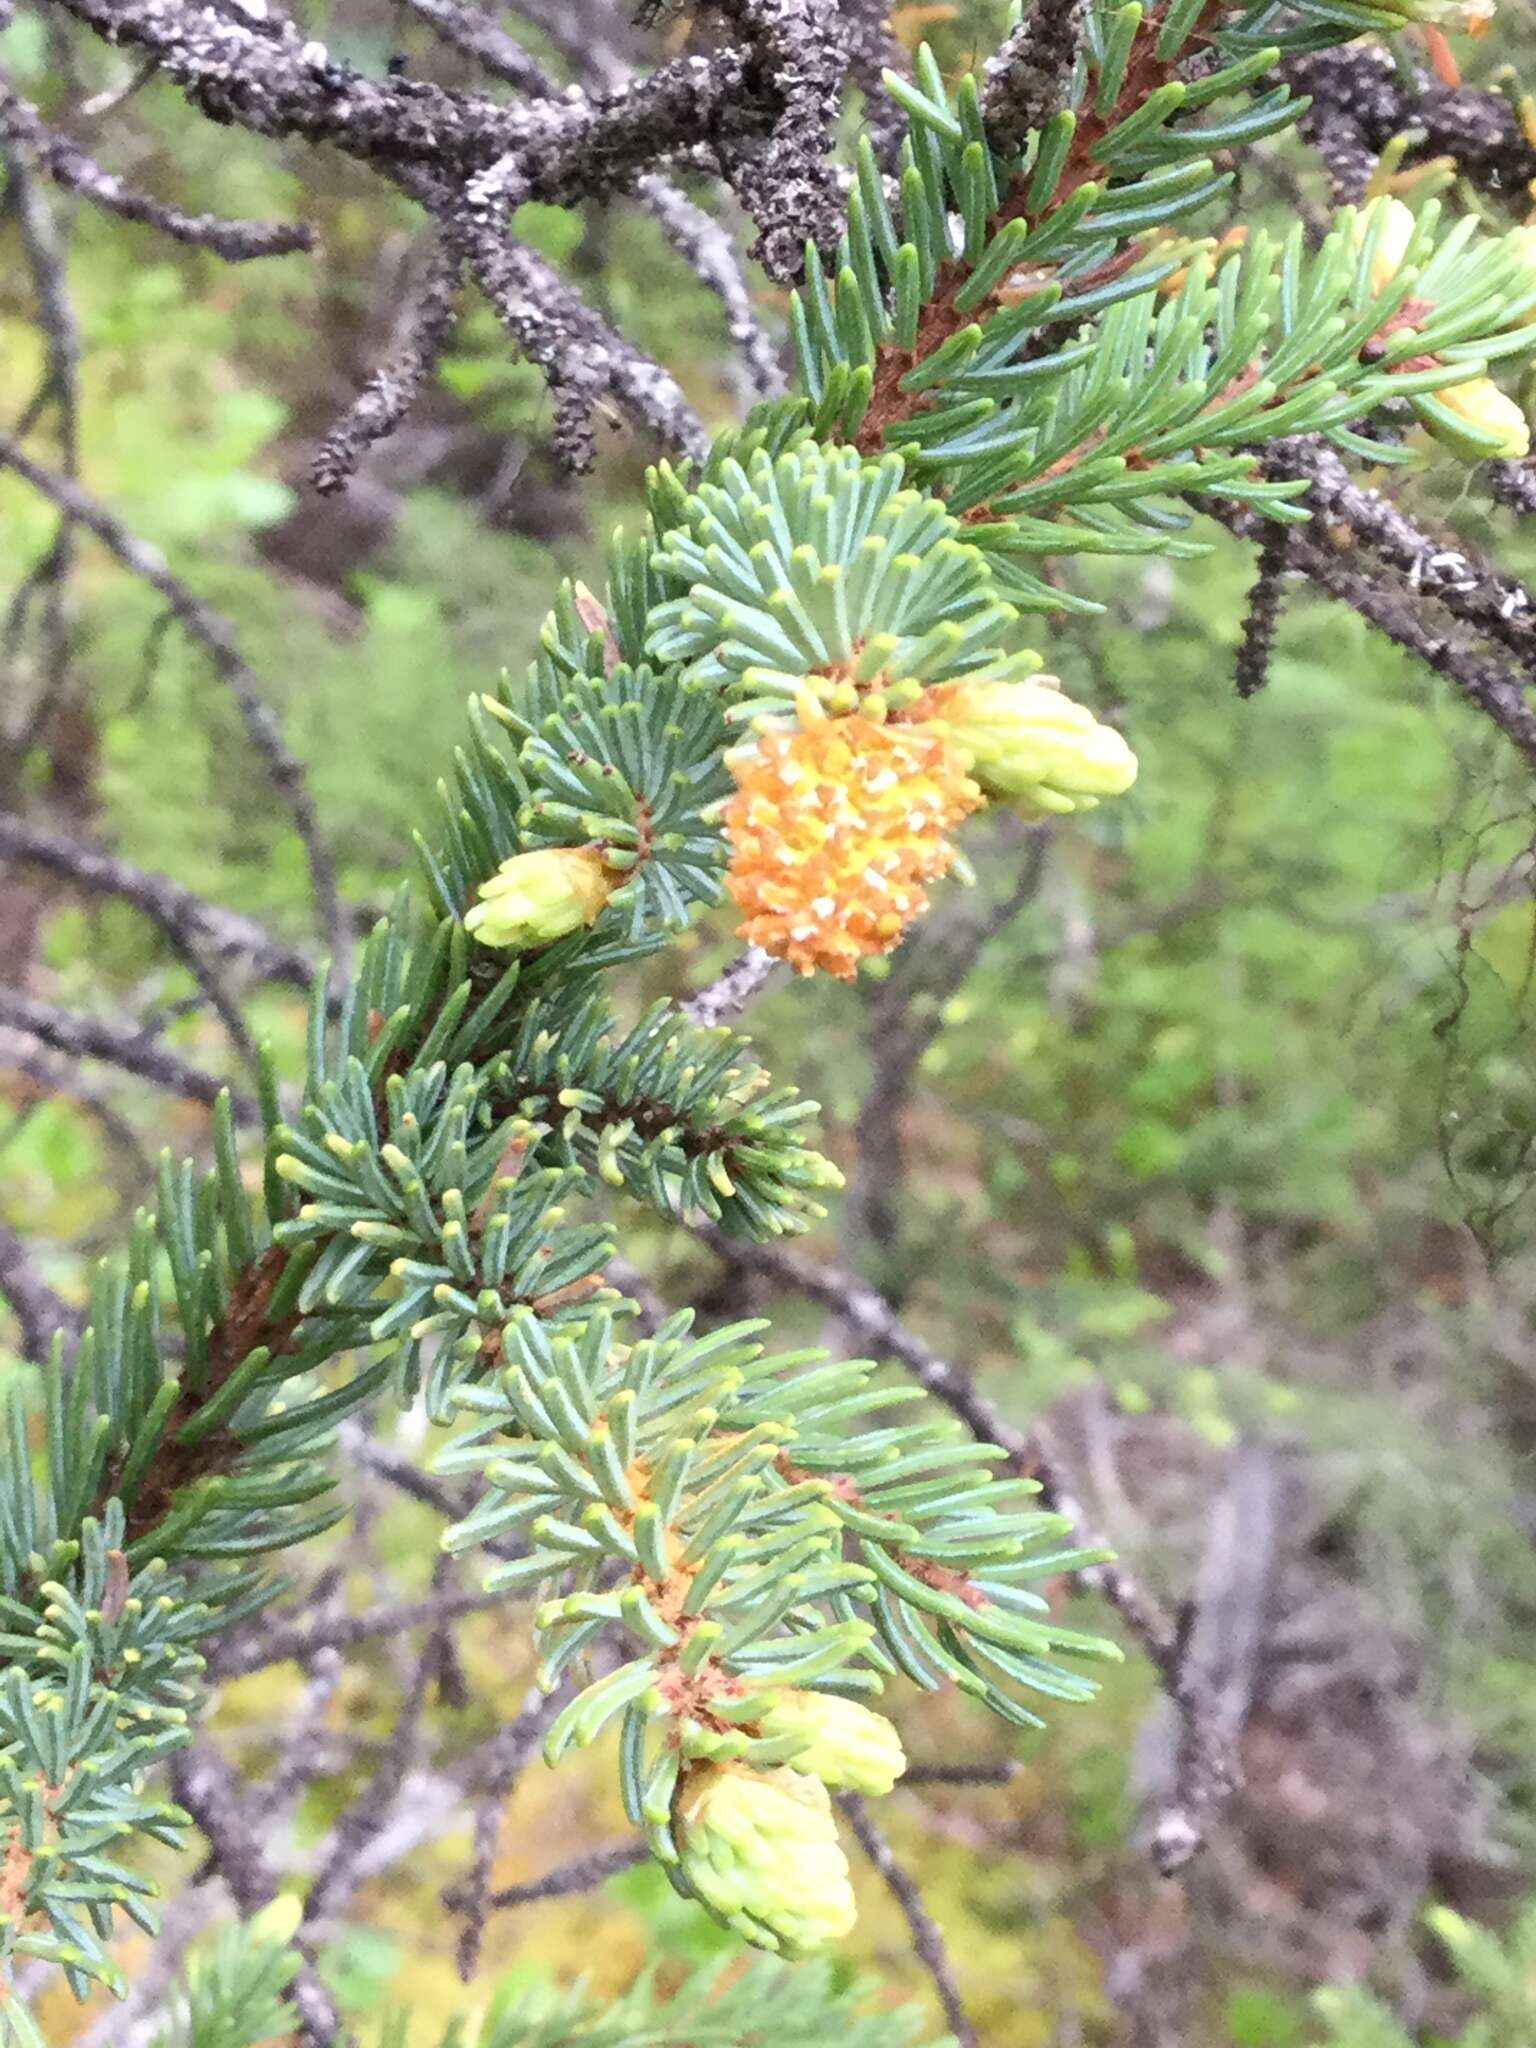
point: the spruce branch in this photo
(1017, 355)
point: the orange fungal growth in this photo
(835, 827)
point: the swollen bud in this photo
(843, 1743)
(535, 898)
(1393, 226)
(1488, 411)
(760, 1850)
(1027, 744)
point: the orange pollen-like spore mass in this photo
(835, 827)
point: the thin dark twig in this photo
(581, 1874)
(255, 1650)
(368, 1815)
(425, 328)
(926, 1938)
(41, 1313)
(1027, 80)
(502, 1766)
(22, 1054)
(1251, 668)
(904, 1014)
(184, 916)
(96, 1038)
(215, 636)
(45, 583)
(1003, 1772)
(205, 1785)
(68, 165)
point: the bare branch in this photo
(46, 582)
(1250, 671)
(22, 1054)
(783, 175)
(729, 993)
(205, 1785)
(478, 38)
(214, 634)
(1362, 98)
(699, 239)
(1027, 80)
(262, 1645)
(584, 360)
(68, 165)
(95, 1038)
(707, 249)
(1414, 626)
(503, 1764)
(581, 1874)
(1001, 1773)
(425, 328)
(1499, 607)
(42, 1314)
(185, 917)
(926, 1938)
(1223, 1636)
(874, 49)
(368, 1815)
(273, 81)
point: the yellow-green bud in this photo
(760, 1850)
(1488, 410)
(1397, 232)
(843, 1743)
(1522, 242)
(1026, 743)
(535, 898)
